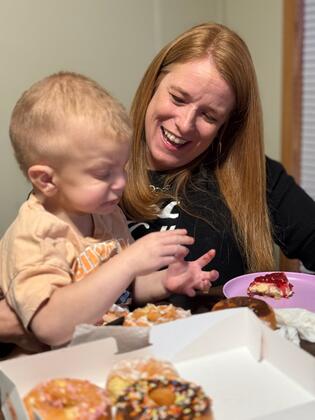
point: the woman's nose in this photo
(186, 120)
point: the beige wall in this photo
(112, 41)
(259, 22)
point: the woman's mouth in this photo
(173, 140)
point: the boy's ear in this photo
(42, 177)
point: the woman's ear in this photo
(42, 178)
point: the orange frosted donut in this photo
(126, 372)
(154, 314)
(71, 399)
(258, 306)
(114, 313)
(153, 399)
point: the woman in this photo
(198, 159)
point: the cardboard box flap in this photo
(193, 337)
(11, 405)
(283, 354)
(76, 362)
(127, 338)
(300, 412)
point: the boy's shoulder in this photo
(113, 224)
(33, 221)
(36, 239)
(116, 215)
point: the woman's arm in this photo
(293, 215)
(12, 331)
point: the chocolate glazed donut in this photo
(169, 399)
(258, 306)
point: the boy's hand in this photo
(185, 277)
(157, 250)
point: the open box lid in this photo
(196, 338)
(204, 334)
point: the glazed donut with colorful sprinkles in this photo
(158, 398)
(71, 399)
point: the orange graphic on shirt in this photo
(94, 255)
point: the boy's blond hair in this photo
(41, 115)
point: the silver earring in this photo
(219, 148)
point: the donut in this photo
(126, 372)
(71, 399)
(115, 312)
(258, 306)
(154, 314)
(161, 398)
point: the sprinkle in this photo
(190, 400)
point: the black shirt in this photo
(292, 214)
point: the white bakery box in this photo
(249, 371)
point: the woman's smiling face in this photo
(185, 113)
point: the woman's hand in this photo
(186, 277)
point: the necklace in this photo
(158, 189)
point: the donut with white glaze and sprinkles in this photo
(71, 399)
(126, 372)
(155, 399)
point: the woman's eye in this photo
(177, 100)
(209, 118)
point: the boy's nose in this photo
(120, 182)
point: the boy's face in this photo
(92, 180)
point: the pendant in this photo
(158, 189)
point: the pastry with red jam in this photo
(274, 285)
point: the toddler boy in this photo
(68, 256)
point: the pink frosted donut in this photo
(71, 399)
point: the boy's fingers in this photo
(190, 292)
(210, 276)
(206, 258)
(181, 251)
(214, 275)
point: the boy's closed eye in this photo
(102, 175)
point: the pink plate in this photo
(303, 290)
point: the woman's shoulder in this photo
(282, 189)
(274, 167)
(277, 176)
